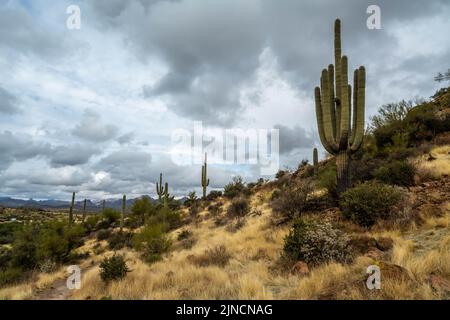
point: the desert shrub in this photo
(186, 239)
(5, 257)
(52, 241)
(327, 179)
(7, 231)
(194, 208)
(90, 224)
(56, 240)
(143, 208)
(218, 256)
(111, 215)
(213, 195)
(215, 208)
(120, 240)
(114, 268)
(367, 202)
(152, 241)
(280, 174)
(316, 242)
(10, 276)
(239, 207)
(235, 188)
(103, 234)
(236, 225)
(185, 234)
(292, 198)
(398, 172)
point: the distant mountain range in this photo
(58, 204)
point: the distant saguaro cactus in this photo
(71, 208)
(124, 207)
(103, 205)
(338, 135)
(166, 195)
(160, 190)
(205, 181)
(315, 161)
(84, 210)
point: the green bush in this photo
(236, 188)
(143, 208)
(218, 256)
(7, 231)
(367, 202)
(5, 257)
(90, 224)
(103, 234)
(327, 179)
(292, 199)
(10, 276)
(152, 241)
(398, 172)
(111, 215)
(239, 207)
(171, 219)
(316, 242)
(215, 208)
(120, 240)
(114, 268)
(214, 194)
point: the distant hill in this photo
(58, 204)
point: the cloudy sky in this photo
(93, 110)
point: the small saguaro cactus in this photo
(84, 210)
(71, 208)
(340, 131)
(124, 207)
(315, 161)
(205, 181)
(160, 190)
(103, 205)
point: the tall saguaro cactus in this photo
(341, 127)
(205, 180)
(160, 190)
(84, 210)
(124, 207)
(71, 208)
(315, 161)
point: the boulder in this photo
(393, 271)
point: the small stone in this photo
(374, 253)
(300, 268)
(385, 244)
(439, 283)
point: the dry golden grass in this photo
(436, 168)
(250, 272)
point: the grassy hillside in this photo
(291, 238)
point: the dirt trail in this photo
(57, 291)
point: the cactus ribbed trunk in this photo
(71, 209)
(84, 210)
(124, 206)
(205, 180)
(343, 171)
